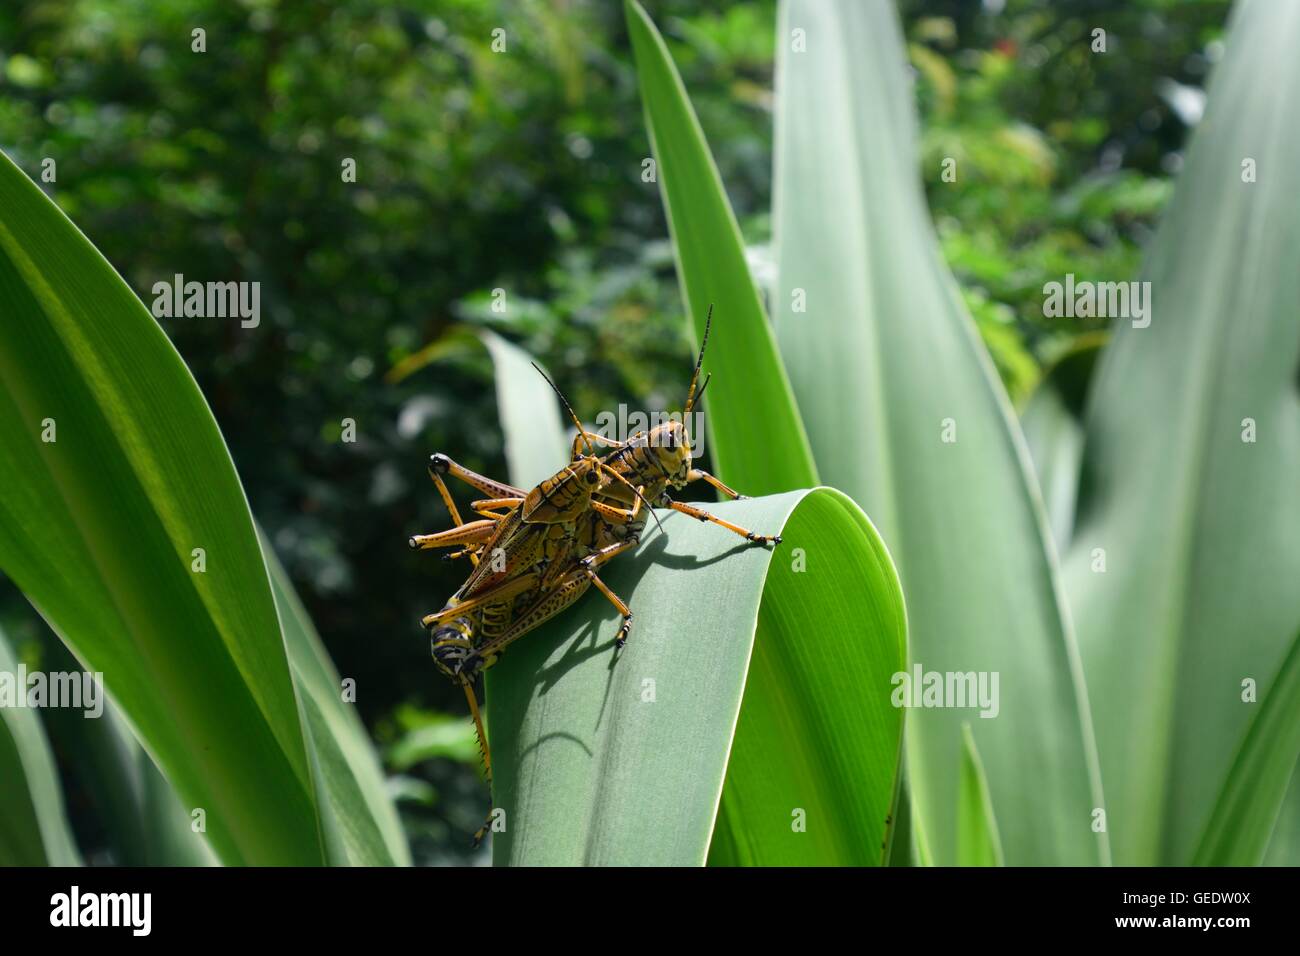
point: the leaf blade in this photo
(1255, 788)
(886, 338)
(978, 843)
(1198, 525)
(757, 438)
(34, 828)
(98, 527)
(590, 771)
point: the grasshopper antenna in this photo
(572, 415)
(691, 396)
(700, 394)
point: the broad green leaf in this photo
(903, 850)
(790, 720)
(529, 412)
(1284, 844)
(34, 829)
(978, 843)
(1191, 459)
(98, 528)
(146, 822)
(1248, 806)
(1052, 420)
(362, 820)
(620, 759)
(906, 415)
(755, 435)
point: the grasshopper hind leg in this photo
(486, 753)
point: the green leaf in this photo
(1252, 797)
(529, 412)
(620, 759)
(98, 528)
(978, 843)
(33, 826)
(143, 821)
(362, 822)
(755, 435)
(884, 359)
(1198, 526)
(1052, 420)
(903, 850)
(1284, 844)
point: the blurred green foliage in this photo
(521, 171)
(1064, 155)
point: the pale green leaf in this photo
(620, 759)
(34, 827)
(1252, 797)
(1198, 523)
(755, 435)
(978, 843)
(905, 414)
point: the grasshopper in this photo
(648, 465)
(530, 536)
(543, 547)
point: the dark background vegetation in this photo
(520, 171)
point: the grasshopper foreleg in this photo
(595, 560)
(702, 515)
(579, 444)
(698, 474)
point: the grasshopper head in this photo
(453, 649)
(671, 447)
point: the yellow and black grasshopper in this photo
(648, 465)
(536, 552)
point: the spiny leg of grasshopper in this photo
(473, 548)
(702, 515)
(440, 464)
(610, 551)
(488, 507)
(485, 507)
(505, 591)
(473, 533)
(570, 586)
(595, 560)
(483, 750)
(493, 595)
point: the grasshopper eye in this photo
(592, 478)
